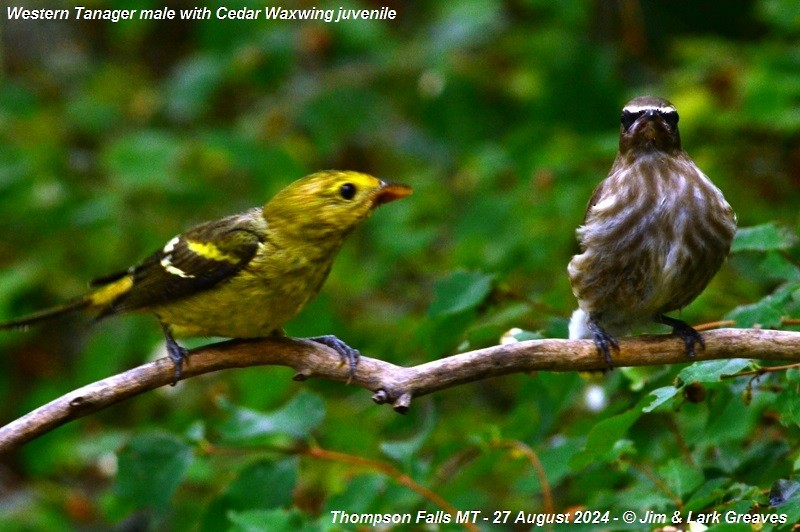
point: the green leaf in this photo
(263, 485)
(789, 408)
(603, 438)
(792, 375)
(441, 334)
(763, 237)
(765, 313)
(404, 450)
(711, 370)
(496, 321)
(707, 494)
(792, 509)
(359, 495)
(302, 414)
(776, 266)
(261, 520)
(641, 377)
(459, 292)
(150, 469)
(555, 459)
(681, 477)
(729, 419)
(521, 335)
(661, 396)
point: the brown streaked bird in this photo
(655, 233)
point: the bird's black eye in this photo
(629, 117)
(348, 191)
(671, 118)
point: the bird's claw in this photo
(348, 355)
(177, 354)
(603, 341)
(686, 333)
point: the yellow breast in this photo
(259, 300)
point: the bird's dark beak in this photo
(651, 125)
(389, 192)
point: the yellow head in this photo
(329, 204)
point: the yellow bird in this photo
(245, 275)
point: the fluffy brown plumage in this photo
(656, 231)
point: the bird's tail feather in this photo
(99, 302)
(47, 314)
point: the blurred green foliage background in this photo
(503, 116)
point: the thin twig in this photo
(679, 439)
(388, 470)
(761, 371)
(657, 481)
(524, 450)
(315, 452)
(714, 325)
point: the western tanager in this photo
(245, 275)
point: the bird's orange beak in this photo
(390, 192)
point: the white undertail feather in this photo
(579, 326)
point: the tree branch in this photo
(396, 384)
